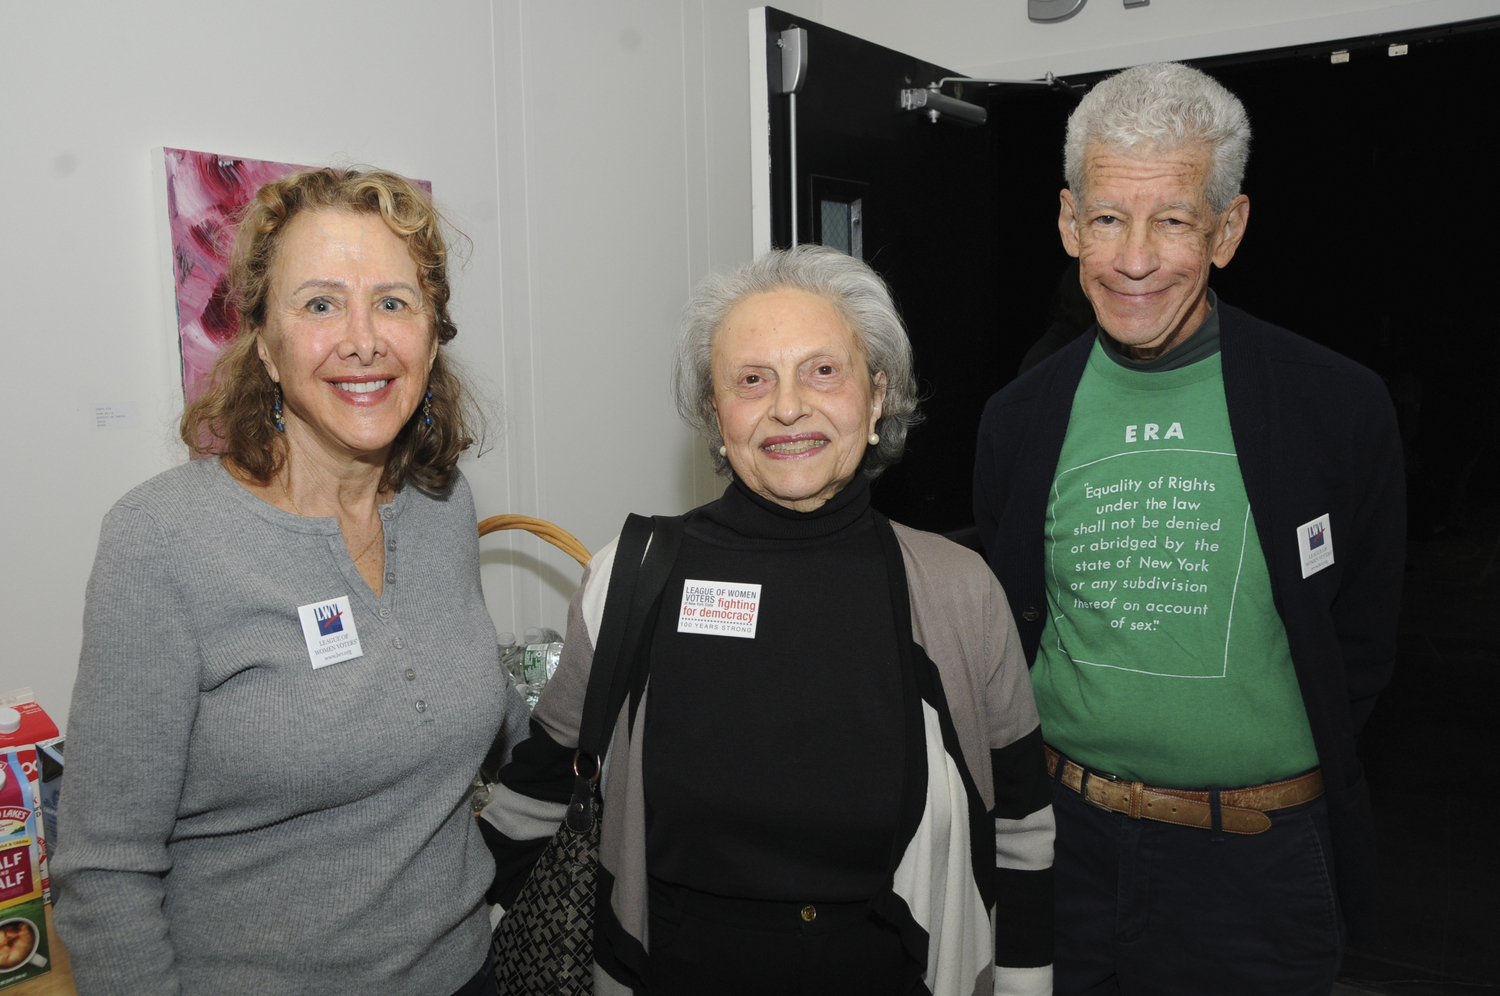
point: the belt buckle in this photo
(1083, 786)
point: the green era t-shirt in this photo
(1163, 658)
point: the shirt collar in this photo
(1203, 343)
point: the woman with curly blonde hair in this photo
(288, 676)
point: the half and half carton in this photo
(23, 915)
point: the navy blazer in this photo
(1315, 432)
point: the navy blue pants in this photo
(1145, 907)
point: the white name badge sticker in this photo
(328, 628)
(1315, 545)
(719, 608)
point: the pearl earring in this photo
(723, 451)
(874, 439)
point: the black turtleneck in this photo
(772, 766)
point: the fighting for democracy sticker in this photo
(719, 608)
(328, 628)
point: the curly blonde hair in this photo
(233, 417)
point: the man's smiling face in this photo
(1145, 237)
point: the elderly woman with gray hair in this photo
(847, 793)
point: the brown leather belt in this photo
(1241, 810)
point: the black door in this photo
(917, 200)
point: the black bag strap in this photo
(643, 559)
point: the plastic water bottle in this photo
(512, 655)
(539, 664)
(532, 664)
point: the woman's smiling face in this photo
(347, 335)
(794, 397)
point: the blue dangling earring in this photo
(276, 411)
(427, 408)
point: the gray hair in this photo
(1163, 106)
(861, 299)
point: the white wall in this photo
(995, 38)
(624, 177)
(596, 153)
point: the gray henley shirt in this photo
(233, 820)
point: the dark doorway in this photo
(1368, 179)
(921, 202)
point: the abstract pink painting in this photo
(204, 191)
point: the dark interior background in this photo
(1370, 232)
(1364, 236)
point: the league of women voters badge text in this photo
(719, 608)
(328, 628)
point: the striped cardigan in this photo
(980, 923)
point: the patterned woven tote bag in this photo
(544, 945)
(545, 941)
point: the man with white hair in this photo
(1199, 521)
